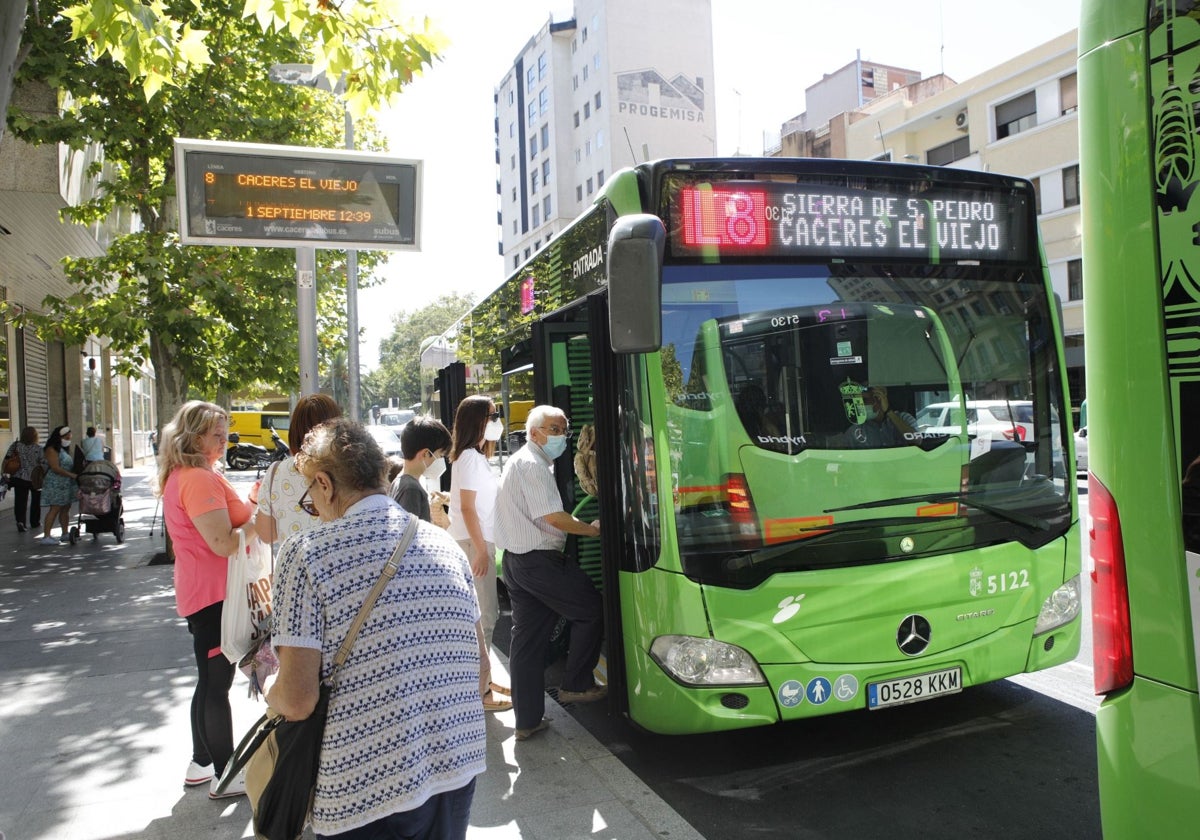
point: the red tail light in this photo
(1112, 639)
(741, 508)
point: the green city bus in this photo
(1139, 96)
(772, 550)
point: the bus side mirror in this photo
(635, 256)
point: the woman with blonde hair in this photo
(204, 516)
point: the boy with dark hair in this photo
(424, 443)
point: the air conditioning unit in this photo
(960, 120)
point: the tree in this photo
(399, 372)
(208, 318)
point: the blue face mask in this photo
(555, 446)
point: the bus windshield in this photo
(826, 415)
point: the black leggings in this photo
(212, 719)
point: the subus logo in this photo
(788, 608)
(593, 259)
(648, 93)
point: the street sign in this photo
(290, 196)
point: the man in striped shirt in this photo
(531, 527)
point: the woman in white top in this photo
(278, 495)
(472, 504)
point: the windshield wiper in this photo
(1013, 516)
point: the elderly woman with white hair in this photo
(412, 677)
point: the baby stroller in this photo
(100, 505)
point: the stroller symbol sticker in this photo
(791, 693)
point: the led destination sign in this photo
(269, 195)
(814, 220)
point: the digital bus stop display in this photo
(284, 200)
(822, 221)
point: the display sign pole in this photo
(306, 317)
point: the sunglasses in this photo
(495, 415)
(306, 503)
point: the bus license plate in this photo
(914, 688)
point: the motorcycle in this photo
(250, 456)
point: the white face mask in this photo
(434, 471)
(493, 430)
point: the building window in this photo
(514, 162)
(516, 262)
(537, 217)
(587, 110)
(1070, 177)
(530, 78)
(532, 112)
(533, 181)
(546, 136)
(577, 119)
(597, 101)
(600, 139)
(1037, 194)
(533, 147)
(545, 172)
(511, 97)
(512, 129)
(526, 253)
(1016, 115)
(585, 34)
(587, 149)
(546, 208)
(585, 72)
(600, 178)
(1068, 94)
(947, 153)
(578, 156)
(514, 194)
(514, 227)
(579, 193)
(543, 66)
(544, 100)
(589, 186)
(1074, 279)
(575, 82)
(596, 61)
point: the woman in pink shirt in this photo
(203, 516)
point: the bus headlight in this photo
(696, 661)
(1060, 608)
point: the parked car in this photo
(982, 416)
(387, 439)
(1081, 450)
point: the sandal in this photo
(500, 689)
(493, 705)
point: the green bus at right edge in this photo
(1139, 84)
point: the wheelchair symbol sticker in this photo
(845, 688)
(791, 693)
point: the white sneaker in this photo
(236, 787)
(197, 774)
(48, 541)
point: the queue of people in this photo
(327, 513)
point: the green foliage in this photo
(371, 43)
(399, 371)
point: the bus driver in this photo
(874, 423)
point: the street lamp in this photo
(302, 74)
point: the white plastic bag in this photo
(246, 615)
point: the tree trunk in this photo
(171, 387)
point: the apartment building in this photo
(621, 82)
(1017, 118)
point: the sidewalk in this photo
(96, 677)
